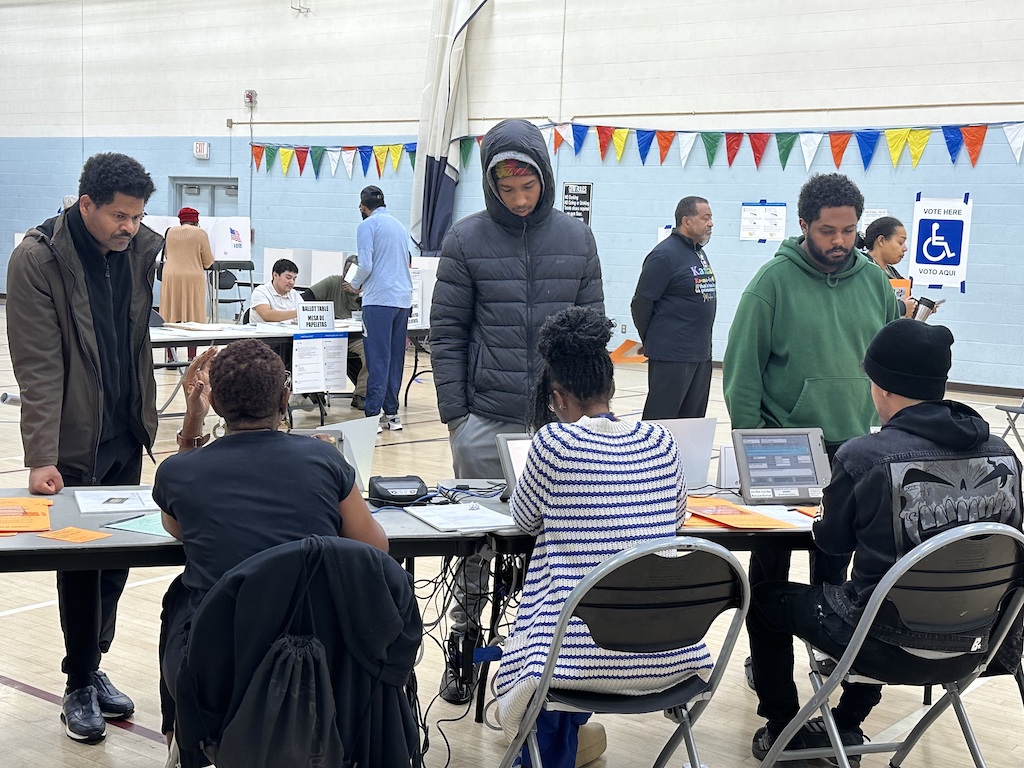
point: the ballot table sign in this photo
(939, 242)
(319, 361)
(316, 316)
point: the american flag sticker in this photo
(236, 237)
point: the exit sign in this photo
(201, 150)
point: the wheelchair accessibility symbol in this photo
(939, 241)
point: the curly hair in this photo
(884, 228)
(108, 173)
(574, 346)
(828, 190)
(247, 378)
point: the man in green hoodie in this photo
(795, 349)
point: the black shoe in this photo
(80, 713)
(113, 704)
(748, 671)
(852, 738)
(455, 689)
(358, 402)
(812, 735)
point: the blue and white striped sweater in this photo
(588, 491)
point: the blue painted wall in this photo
(630, 203)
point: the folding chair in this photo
(1012, 412)
(968, 580)
(181, 366)
(641, 602)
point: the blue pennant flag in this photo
(579, 133)
(867, 141)
(954, 140)
(365, 153)
(643, 143)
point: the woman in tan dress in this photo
(187, 254)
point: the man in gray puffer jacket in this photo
(503, 272)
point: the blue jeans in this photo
(384, 347)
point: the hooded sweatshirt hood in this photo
(793, 249)
(516, 140)
(943, 422)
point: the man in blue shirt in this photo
(383, 276)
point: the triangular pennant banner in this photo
(644, 139)
(301, 153)
(410, 150)
(686, 141)
(334, 155)
(348, 156)
(896, 138)
(758, 142)
(918, 141)
(732, 146)
(954, 141)
(604, 138)
(579, 135)
(380, 157)
(465, 151)
(838, 141)
(711, 141)
(665, 139)
(365, 155)
(257, 154)
(809, 145)
(395, 153)
(287, 153)
(547, 133)
(316, 154)
(480, 141)
(563, 133)
(867, 141)
(619, 136)
(974, 137)
(785, 143)
(271, 154)
(1015, 137)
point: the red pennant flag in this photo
(558, 141)
(301, 153)
(732, 146)
(479, 140)
(758, 142)
(665, 139)
(974, 137)
(257, 154)
(838, 140)
(604, 138)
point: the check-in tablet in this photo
(781, 466)
(512, 451)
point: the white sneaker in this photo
(392, 422)
(592, 743)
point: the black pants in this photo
(88, 599)
(785, 610)
(677, 390)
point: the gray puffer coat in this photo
(500, 277)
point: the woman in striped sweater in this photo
(592, 486)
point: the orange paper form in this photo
(74, 535)
(732, 515)
(19, 515)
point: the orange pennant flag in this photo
(257, 154)
(758, 142)
(665, 139)
(974, 137)
(286, 154)
(380, 154)
(628, 352)
(604, 137)
(918, 141)
(301, 153)
(558, 141)
(619, 136)
(838, 140)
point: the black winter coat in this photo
(500, 277)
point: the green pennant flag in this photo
(785, 143)
(269, 155)
(316, 154)
(465, 148)
(412, 159)
(711, 141)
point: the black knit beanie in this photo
(911, 358)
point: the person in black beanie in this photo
(889, 492)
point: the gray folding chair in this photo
(1012, 412)
(968, 580)
(642, 602)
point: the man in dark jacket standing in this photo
(932, 467)
(674, 310)
(79, 294)
(503, 272)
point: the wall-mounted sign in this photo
(577, 198)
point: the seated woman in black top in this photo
(252, 489)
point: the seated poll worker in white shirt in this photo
(277, 301)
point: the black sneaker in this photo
(853, 738)
(80, 713)
(113, 704)
(454, 690)
(812, 735)
(358, 402)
